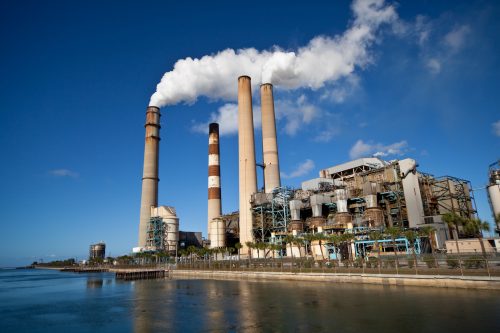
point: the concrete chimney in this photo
(149, 196)
(246, 152)
(269, 141)
(216, 227)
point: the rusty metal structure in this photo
(362, 195)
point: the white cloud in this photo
(294, 114)
(341, 89)
(439, 44)
(456, 38)
(423, 29)
(322, 61)
(366, 149)
(301, 170)
(64, 173)
(496, 128)
(331, 125)
(227, 118)
(434, 65)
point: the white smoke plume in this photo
(324, 59)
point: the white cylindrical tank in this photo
(217, 233)
(172, 233)
(494, 195)
(171, 226)
(494, 191)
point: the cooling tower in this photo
(149, 196)
(216, 227)
(269, 140)
(246, 154)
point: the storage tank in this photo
(494, 191)
(217, 233)
(97, 251)
(171, 225)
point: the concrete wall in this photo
(385, 280)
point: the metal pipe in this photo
(246, 154)
(269, 139)
(149, 196)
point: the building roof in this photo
(371, 162)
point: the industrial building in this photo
(355, 197)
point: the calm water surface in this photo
(51, 301)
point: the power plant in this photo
(355, 197)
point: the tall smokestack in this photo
(246, 152)
(149, 196)
(269, 140)
(216, 228)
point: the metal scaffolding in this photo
(271, 214)
(447, 195)
(156, 235)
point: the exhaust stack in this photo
(269, 140)
(246, 152)
(216, 226)
(149, 196)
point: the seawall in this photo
(466, 282)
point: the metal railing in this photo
(430, 264)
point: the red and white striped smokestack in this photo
(149, 196)
(216, 227)
(246, 152)
(269, 140)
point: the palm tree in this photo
(299, 242)
(238, 247)
(375, 236)
(394, 232)
(412, 236)
(320, 237)
(250, 246)
(428, 232)
(308, 238)
(336, 241)
(191, 250)
(452, 220)
(475, 227)
(289, 240)
(347, 239)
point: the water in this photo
(51, 301)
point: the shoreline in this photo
(465, 282)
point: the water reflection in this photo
(93, 283)
(286, 306)
(154, 306)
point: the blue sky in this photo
(77, 77)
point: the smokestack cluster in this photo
(246, 149)
(149, 196)
(216, 227)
